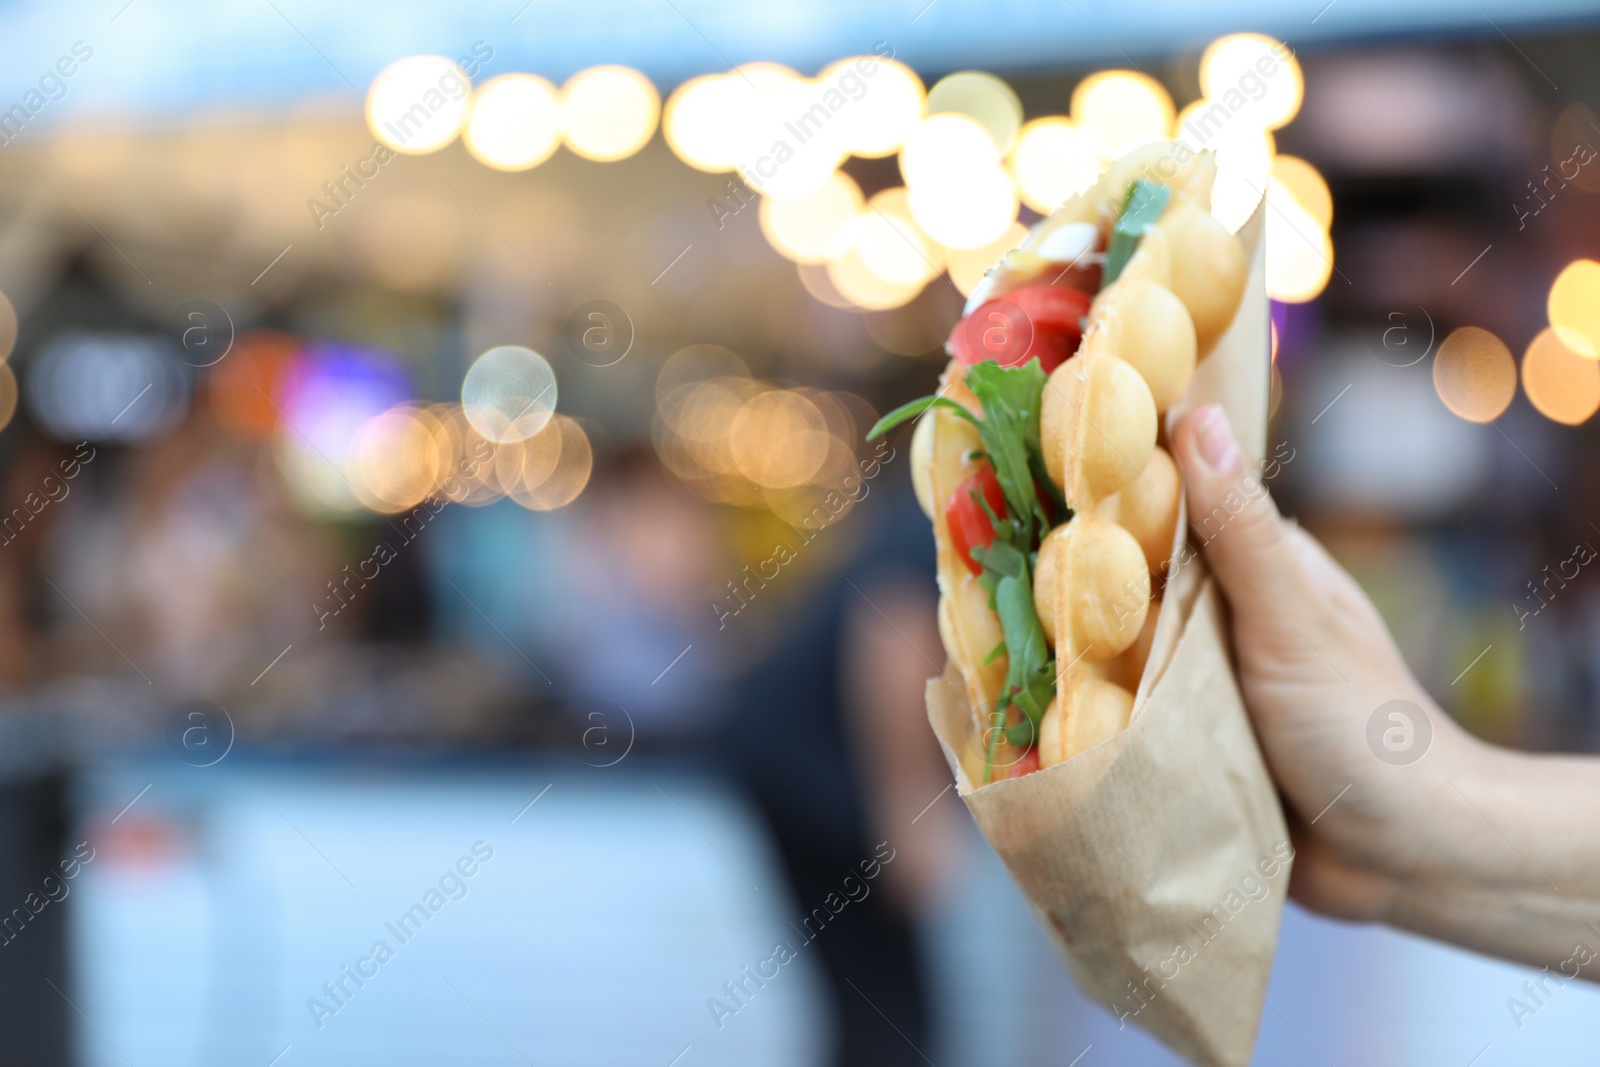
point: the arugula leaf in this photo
(914, 408)
(1011, 398)
(1146, 200)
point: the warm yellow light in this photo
(552, 467)
(466, 459)
(609, 112)
(1574, 307)
(967, 266)
(1124, 109)
(516, 122)
(856, 282)
(891, 244)
(959, 195)
(808, 230)
(1563, 385)
(417, 105)
(1244, 166)
(1474, 374)
(946, 148)
(694, 123)
(693, 364)
(1255, 77)
(395, 459)
(876, 120)
(778, 439)
(1306, 184)
(971, 215)
(985, 99)
(1054, 159)
(787, 129)
(818, 281)
(1299, 252)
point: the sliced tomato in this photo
(1039, 320)
(1026, 765)
(969, 523)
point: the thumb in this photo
(1245, 540)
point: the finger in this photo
(1246, 542)
(1334, 584)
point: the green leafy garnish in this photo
(910, 410)
(1030, 673)
(1144, 205)
(1011, 398)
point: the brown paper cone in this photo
(1158, 861)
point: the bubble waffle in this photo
(1157, 280)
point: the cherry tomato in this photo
(1026, 765)
(969, 524)
(1039, 320)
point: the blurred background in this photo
(448, 611)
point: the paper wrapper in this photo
(1146, 858)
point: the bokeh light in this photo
(509, 393)
(853, 278)
(891, 244)
(810, 229)
(515, 123)
(327, 396)
(693, 364)
(1474, 374)
(1244, 169)
(778, 439)
(1574, 307)
(1255, 76)
(397, 458)
(785, 137)
(959, 195)
(1561, 384)
(468, 459)
(608, 112)
(1306, 185)
(554, 466)
(985, 99)
(1299, 253)
(120, 387)
(1123, 109)
(877, 123)
(817, 279)
(1054, 159)
(694, 123)
(967, 266)
(418, 104)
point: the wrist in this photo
(1438, 828)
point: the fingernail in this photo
(1217, 446)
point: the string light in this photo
(609, 112)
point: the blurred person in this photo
(1494, 850)
(830, 737)
(638, 555)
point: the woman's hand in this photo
(1398, 814)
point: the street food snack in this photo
(1089, 713)
(1039, 461)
